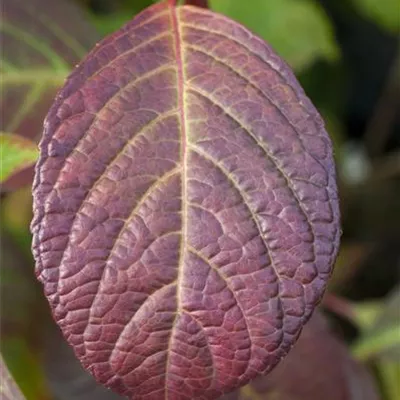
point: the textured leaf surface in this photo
(186, 213)
(318, 367)
(41, 40)
(16, 153)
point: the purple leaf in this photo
(186, 212)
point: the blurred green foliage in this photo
(299, 30)
(26, 368)
(385, 13)
(118, 13)
(379, 323)
(16, 153)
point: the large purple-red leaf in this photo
(186, 213)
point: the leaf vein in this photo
(230, 178)
(175, 25)
(226, 281)
(112, 162)
(148, 299)
(202, 327)
(133, 212)
(267, 153)
(261, 92)
(99, 112)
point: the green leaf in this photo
(389, 374)
(15, 217)
(366, 314)
(17, 153)
(374, 344)
(124, 12)
(107, 24)
(385, 13)
(381, 334)
(25, 367)
(8, 388)
(299, 30)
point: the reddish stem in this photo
(197, 3)
(339, 306)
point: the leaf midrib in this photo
(177, 35)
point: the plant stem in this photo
(197, 3)
(339, 306)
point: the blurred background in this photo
(346, 55)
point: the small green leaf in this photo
(385, 13)
(16, 153)
(299, 30)
(374, 344)
(381, 334)
(389, 373)
(25, 367)
(366, 314)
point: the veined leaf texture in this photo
(186, 210)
